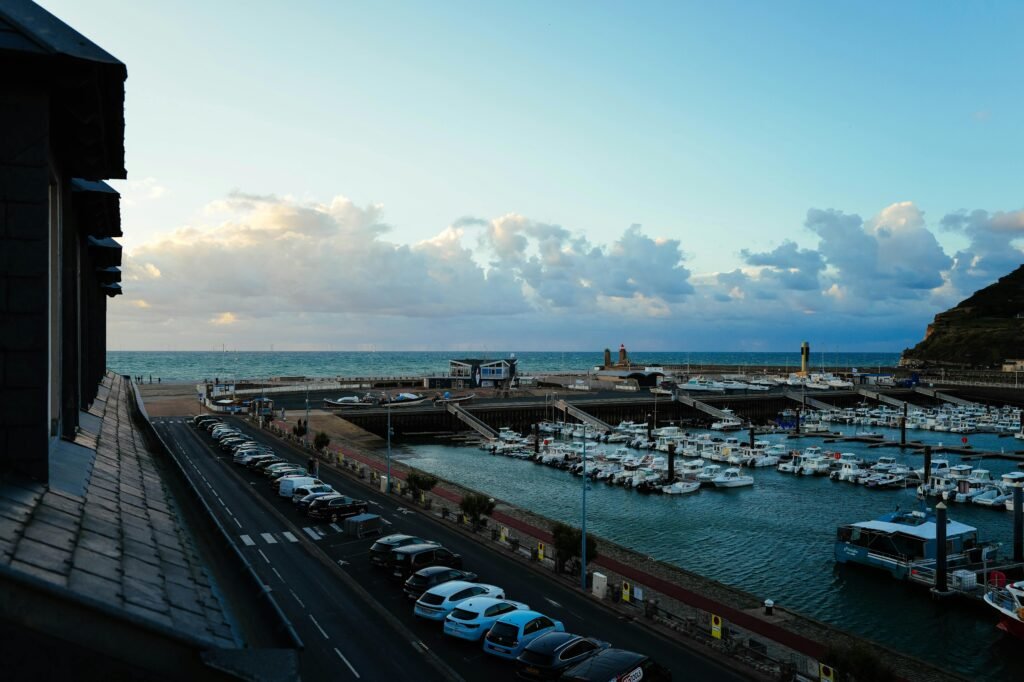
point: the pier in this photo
(584, 417)
(883, 398)
(704, 407)
(944, 397)
(805, 399)
(471, 421)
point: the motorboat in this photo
(992, 496)
(886, 481)
(448, 399)
(352, 401)
(708, 474)
(681, 488)
(702, 384)
(689, 470)
(405, 400)
(814, 465)
(849, 472)
(732, 478)
(1009, 602)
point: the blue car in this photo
(472, 618)
(512, 632)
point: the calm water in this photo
(773, 540)
(198, 365)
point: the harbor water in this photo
(774, 540)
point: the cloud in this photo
(134, 192)
(993, 250)
(225, 318)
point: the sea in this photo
(188, 366)
(774, 540)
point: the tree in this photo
(475, 505)
(321, 441)
(299, 430)
(419, 482)
(567, 545)
(856, 662)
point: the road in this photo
(314, 599)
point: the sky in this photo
(560, 176)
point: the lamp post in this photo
(306, 433)
(388, 397)
(583, 541)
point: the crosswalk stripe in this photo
(311, 533)
(247, 540)
(336, 527)
(268, 538)
(320, 532)
(289, 537)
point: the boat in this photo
(405, 400)
(447, 399)
(701, 384)
(732, 478)
(681, 488)
(903, 542)
(352, 401)
(992, 496)
(708, 474)
(1009, 602)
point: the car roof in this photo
(522, 617)
(606, 663)
(478, 604)
(550, 642)
(412, 549)
(451, 587)
(431, 570)
(394, 537)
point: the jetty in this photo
(705, 407)
(586, 418)
(471, 421)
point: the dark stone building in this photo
(61, 134)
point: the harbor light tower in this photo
(805, 357)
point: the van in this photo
(289, 485)
(405, 561)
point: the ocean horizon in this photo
(179, 366)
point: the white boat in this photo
(701, 384)
(681, 488)
(732, 478)
(993, 496)
(848, 472)
(708, 474)
(690, 469)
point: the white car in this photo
(438, 601)
(472, 618)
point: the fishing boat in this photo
(1009, 602)
(732, 478)
(904, 541)
(681, 488)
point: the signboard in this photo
(504, 534)
(625, 591)
(540, 551)
(826, 673)
(716, 626)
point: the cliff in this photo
(981, 331)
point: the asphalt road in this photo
(309, 591)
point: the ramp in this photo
(471, 421)
(882, 398)
(808, 400)
(707, 409)
(584, 417)
(945, 397)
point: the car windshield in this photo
(432, 599)
(463, 614)
(535, 658)
(503, 633)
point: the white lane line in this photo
(297, 598)
(552, 602)
(276, 573)
(248, 541)
(336, 527)
(318, 626)
(263, 555)
(236, 522)
(289, 537)
(320, 532)
(342, 657)
(268, 538)
(311, 533)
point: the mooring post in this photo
(536, 439)
(798, 421)
(927, 468)
(751, 436)
(903, 427)
(650, 426)
(940, 547)
(1018, 524)
(672, 463)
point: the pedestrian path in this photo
(315, 533)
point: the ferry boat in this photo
(902, 541)
(1009, 602)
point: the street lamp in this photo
(388, 397)
(583, 541)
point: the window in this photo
(463, 594)
(578, 649)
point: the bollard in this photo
(444, 512)
(769, 607)
(494, 534)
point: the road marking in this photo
(276, 573)
(342, 657)
(375, 504)
(263, 555)
(248, 541)
(268, 538)
(311, 533)
(297, 598)
(319, 532)
(386, 521)
(236, 521)
(552, 602)
(342, 562)
(289, 537)
(336, 527)
(318, 626)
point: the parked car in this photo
(334, 508)
(260, 457)
(548, 655)
(512, 632)
(405, 561)
(381, 550)
(303, 504)
(304, 491)
(258, 464)
(288, 485)
(246, 456)
(228, 444)
(425, 578)
(437, 602)
(281, 475)
(617, 664)
(270, 471)
(474, 617)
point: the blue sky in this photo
(715, 127)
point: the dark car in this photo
(381, 550)
(425, 578)
(617, 664)
(261, 463)
(335, 508)
(547, 656)
(405, 561)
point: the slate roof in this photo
(115, 535)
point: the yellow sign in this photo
(625, 591)
(716, 626)
(540, 551)
(504, 534)
(826, 673)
